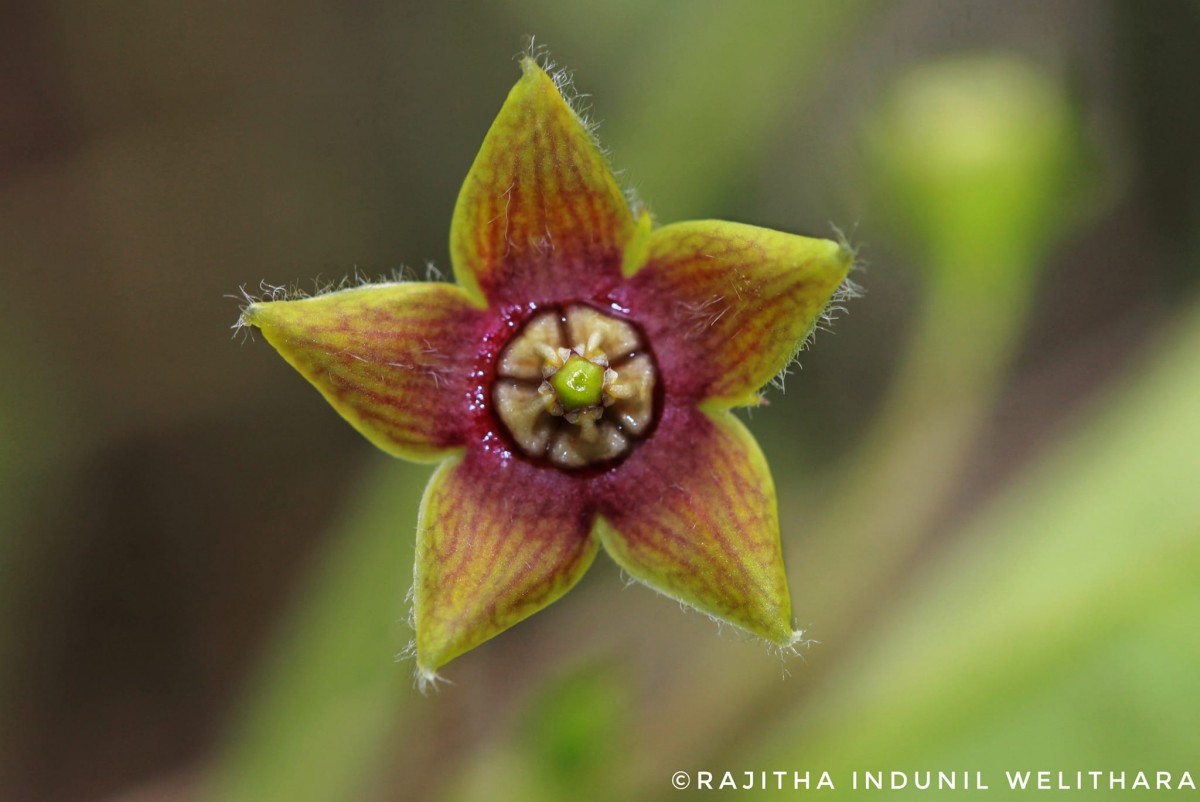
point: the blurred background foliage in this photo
(987, 472)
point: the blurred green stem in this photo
(912, 458)
(972, 157)
(1092, 548)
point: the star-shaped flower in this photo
(575, 385)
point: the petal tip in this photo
(831, 263)
(844, 256)
(425, 676)
(249, 313)
(253, 315)
(529, 66)
(795, 640)
(428, 659)
(774, 626)
(261, 314)
(838, 257)
(428, 679)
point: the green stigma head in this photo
(579, 383)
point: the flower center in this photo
(575, 387)
(578, 383)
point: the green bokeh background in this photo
(989, 472)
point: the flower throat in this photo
(576, 387)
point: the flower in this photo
(575, 384)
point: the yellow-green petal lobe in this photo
(728, 306)
(497, 540)
(540, 213)
(393, 359)
(693, 515)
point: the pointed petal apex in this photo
(392, 359)
(699, 523)
(728, 305)
(496, 542)
(540, 213)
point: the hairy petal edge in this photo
(496, 542)
(728, 305)
(540, 214)
(699, 523)
(390, 358)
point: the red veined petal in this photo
(496, 542)
(727, 306)
(693, 515)
(392, 359)
(540, 215)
